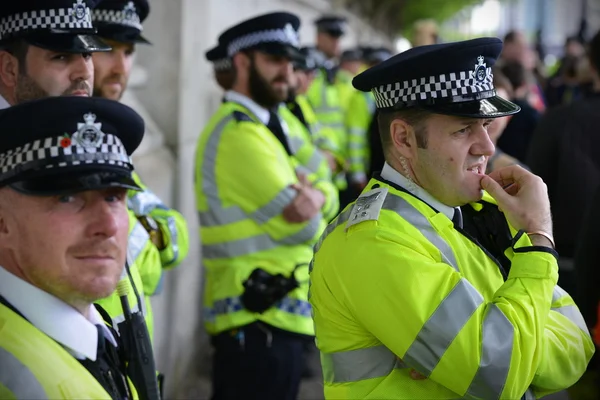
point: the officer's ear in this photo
(403, 138)
(9, 68)
(241, 61)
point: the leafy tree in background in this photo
(396, 17)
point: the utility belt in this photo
(262, 289)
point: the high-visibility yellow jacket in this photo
(146, 262)
(325, 99)
(321, 136)
(343, 82)
(142, 256)
(242, 182)
(34, 366)
(310, 161)
(173, 228)
(361, 109)
(395, 286)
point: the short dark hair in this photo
(516, 73)
(594, 51)
(511, 36)
(414, 116)
(502, 82)
(225, 79)
(18, 48)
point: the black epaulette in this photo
(241, 116)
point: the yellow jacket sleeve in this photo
(411, 289)
(568, 347)
(358, 119)
(171, 223)
(258, 174)
(311, 162)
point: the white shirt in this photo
(54, 317)
(259, 111)
(390, 174)
(3, 103)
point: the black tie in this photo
(101, 342)
(106, 369)
(274, 126)
(457, 219)
(297, 111)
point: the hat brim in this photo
(122, 34)
(56, 185)
(491, 107)
(335, 33)
(280, 49)
(68, 43)
(125, 38)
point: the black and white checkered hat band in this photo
(283, 36)
(118, 17)
(61, 18)
(63, 151)
(434, 87)
(223, 64)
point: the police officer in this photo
(438, 269)
(65, 173)
(258, 220)
(324, 94)
(52, 57)
(351, 63)
(158, 238)
(363, 136)
(305, 69)
(45, 49)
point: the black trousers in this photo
(257, 362)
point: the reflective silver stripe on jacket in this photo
(234, 304)
(138, 237)
(324, 107)
(220, 215)
(241, 247)
(373, 362)
(405, 210)
(574, 315)
(274, 207)
(217, 214)
(497, 345)
(558, 294)
(295, 143)
(444, 325)
(569, 311)
(142, 203)
(17, 378)
(315, 161)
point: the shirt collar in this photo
(390, 174)
(3, 103)
(259, 112)
(54, 317)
